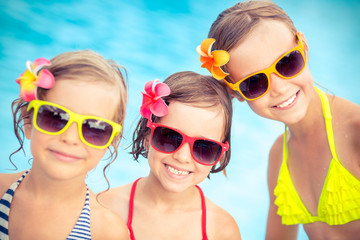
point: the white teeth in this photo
(175, 171)
(288, 102)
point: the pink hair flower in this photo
(152, 99)
(213, 60)
(33, 77)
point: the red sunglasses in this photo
(168, 140)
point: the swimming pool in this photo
(153, 39)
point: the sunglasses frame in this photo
(73, 117)
(187, 139)
(269, 70)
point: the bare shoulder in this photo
(105, 223)
(354, 130)
(346, 121)
(348, 113)
(220, 223)
(6, 179)
(112, 196)
(116, 199)
(276, 148)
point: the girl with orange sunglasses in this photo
(313, 170)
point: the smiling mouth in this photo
(287, 102)
(176, 171)
(65, 157)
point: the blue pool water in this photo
(155, 38)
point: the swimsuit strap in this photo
(284, 147)
(328, 123)
(5, 203)
(82, 228)
(131, 208)
(203, 217)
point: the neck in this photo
(155, 194)
(312, 124)
(44, 188)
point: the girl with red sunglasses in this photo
(71, 109)
(184, 133)
(313, 170)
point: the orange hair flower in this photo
(213, 60)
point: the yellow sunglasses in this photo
(287, 66)
(53, 119)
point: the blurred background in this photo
(155, 38)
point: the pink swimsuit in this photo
(131, 207)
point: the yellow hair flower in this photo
(33, 77)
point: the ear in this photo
(306, 46)
(147, 142)
(26, 116)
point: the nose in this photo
(183, 154)
(278, 85)
(71, 135)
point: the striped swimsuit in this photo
(81, 229)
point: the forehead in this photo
(266, 36)
(97, 98)
(196, 121)
(263, 45)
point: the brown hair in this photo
(83, 65)
(235, 23)
(198, 91)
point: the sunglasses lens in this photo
(254, 86)
(51, 119)
(206, 152)
(166, 140)
(96, 132)
(290, 64)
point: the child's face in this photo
(287, 99)
(178, 171)
(65, 156)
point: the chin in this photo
(174, 187)
(294, 119)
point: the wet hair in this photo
(195, 90)
(234, 24)
(85, 65)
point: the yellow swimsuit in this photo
(339, 201)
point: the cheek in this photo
(204, 170)
(28, 129)
(39, 142)
(258, 106)
(37, 137)
(96, 155)
(152, 155)
(305, 78)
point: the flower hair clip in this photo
(33, 77)
(152, 99)
(213, 60)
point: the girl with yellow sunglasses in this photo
(71, 109)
